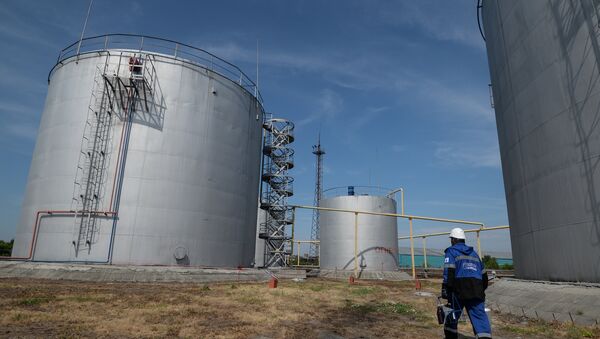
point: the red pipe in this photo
(36, 226)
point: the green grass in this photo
(316, 288)
(578, 332)
(250, 299)
(360, 291)
(530, 330)
(34, 301)
(361, 309)
(386, 308)
(404, 309)
(85, 298)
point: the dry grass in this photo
(313, 308)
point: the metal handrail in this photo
(155, 45)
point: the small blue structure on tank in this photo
(350, 190)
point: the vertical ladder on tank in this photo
(117, 89)
(93, 162)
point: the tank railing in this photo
(165, 47)
(358, 190)
(395, 215)
(476, 231)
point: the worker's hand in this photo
(445, 292)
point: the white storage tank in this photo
(148, 152)
(377, 235)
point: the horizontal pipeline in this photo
(448, 233)
(52, 212)
(405, 216)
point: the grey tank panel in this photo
(544, 59)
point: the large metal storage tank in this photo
(188, 173)
(377, 235)
(544, 59)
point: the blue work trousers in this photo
(476, 311)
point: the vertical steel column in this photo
(293, 226)
(298, 254)
(424, 252)
(479, 246)
(412, 249)
(356, 245)
(402, 200)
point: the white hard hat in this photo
(457, 233)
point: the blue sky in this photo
(399, 90)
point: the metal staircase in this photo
(120, 89)
(279, 186)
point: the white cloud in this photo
(473, 152)
(359, 72)
(13, 108)
(499, 206)
(459, 100)
(443, 21)
(328, 105)
(22, 130)
(14, 77)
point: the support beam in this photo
(424, 252)
(355, 245)
(412, 249)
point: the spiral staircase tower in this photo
(277, 188)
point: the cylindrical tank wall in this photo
(544, 58)
(190, 179)
(377, 235)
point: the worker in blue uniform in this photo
(465, 281)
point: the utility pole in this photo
(315, 229)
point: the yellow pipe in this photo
(402, 200)
(319, 260)
(424, 252)
(355, 245)
(293, 224)
(447, 233)
(298, 254)
(479, 246)
(405, 216)
(401, 190)
(412, 249)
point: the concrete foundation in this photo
(564, 302)
(105, 273)
(364, 275)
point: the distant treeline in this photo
(6, 248)
(491, 263)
